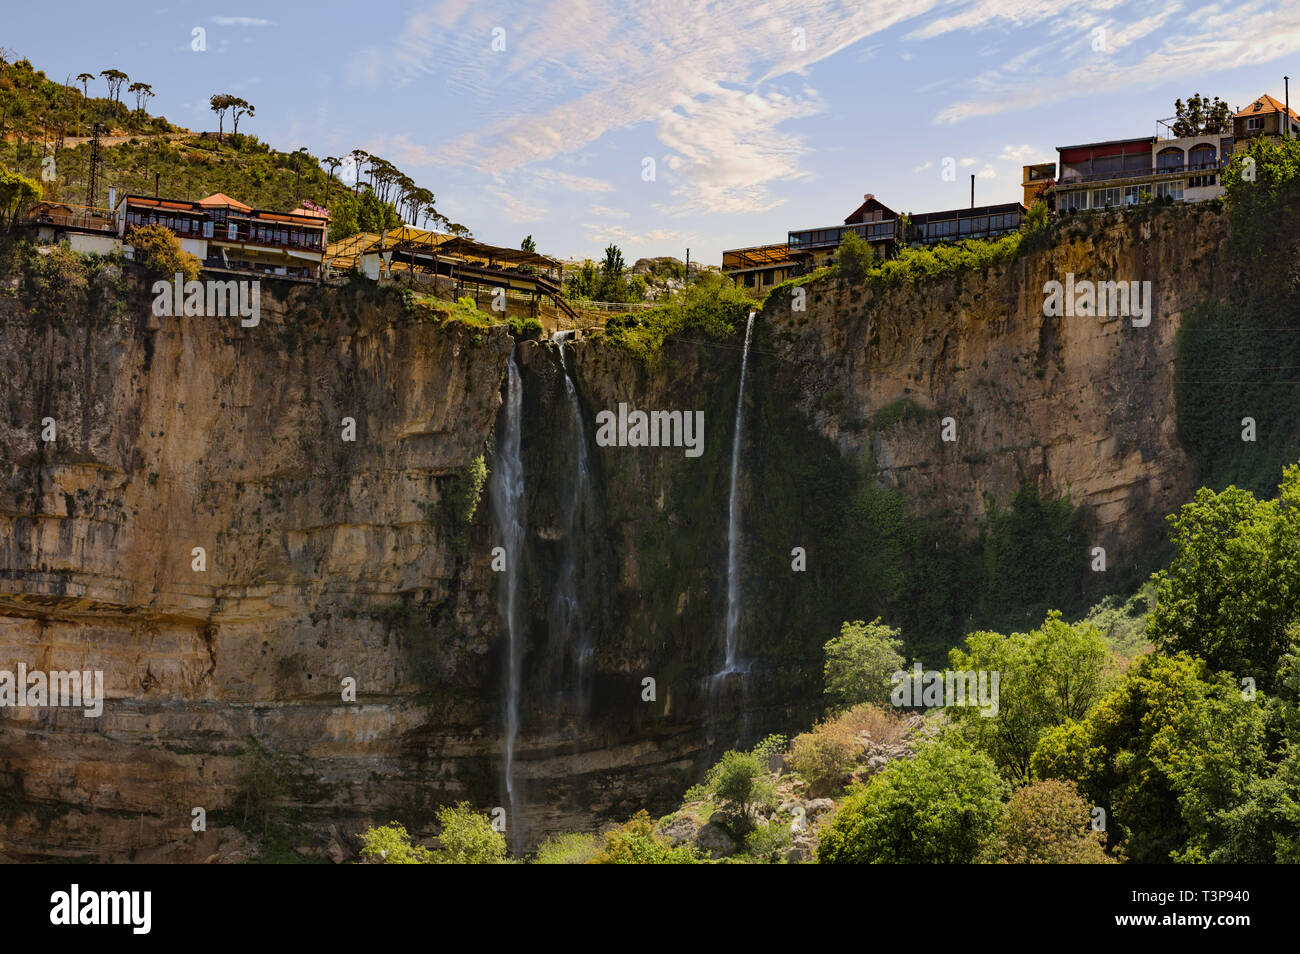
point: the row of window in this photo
(871, 232)
(1127, 195)
(266, 234)
(977, 225)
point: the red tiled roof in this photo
(1265, 104)
(219, 200)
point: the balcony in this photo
(1069, 177)
(807, 240)
(75, 217)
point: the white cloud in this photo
(242, 21)
(1022, 155)
(515, 209)
(554, 179)
(706, 83)
(1189, 45)
(606, 212)
(605, 234)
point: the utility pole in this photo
(972, 190)
(92, 180)
(1286, 80)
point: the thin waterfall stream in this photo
(507, 491)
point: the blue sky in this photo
(759, 115)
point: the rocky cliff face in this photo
(371, 560)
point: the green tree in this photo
(613, 266)
(16, 193)
(528, 245)
(114, 79)
(860, 662)
(1168, 752)
(220, 104)
(467, 838)
(1050, 823)
(1232, 589)
(1201, 117)
(853, 258)
(159, 251)
(239, 107)
(1046, 677)
(942, 806)
(741, 784)
(142, 92)
(391, 845)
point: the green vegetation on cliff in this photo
(1239, 357)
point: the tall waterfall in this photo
(568, 616)
(507, 490)
(733, 516)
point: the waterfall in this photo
(733, 516)
(507, 491)
(568, 603)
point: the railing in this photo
(611, 306)
(1180, 170)
(99, 220)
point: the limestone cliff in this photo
(329, 559)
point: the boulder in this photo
(715, 841)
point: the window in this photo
(232, 232)
(1105, 198)
(1255, 122)
(1074, 200)
(207, 230)
(1200, 182)
(749, 279)
(1169, 160)
(1132, 194)
(1172, 189)
(1201, 157)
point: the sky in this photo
(666, 125)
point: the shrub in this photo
(860, 662)
(526, 329)
(943, 806)
(770, 750)
(577, 848)
(880, 725)
(740, 783)
(767, 843)
(853, 258)
(637, 843)
(1049, 822)
(824, 757)
(391, 845)
(467, 838)
(159, 251)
